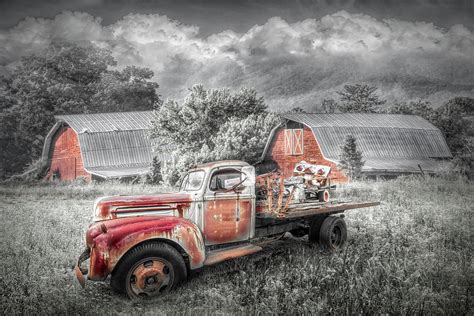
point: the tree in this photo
(12, 153)
(64, 79)
(462, 105)
(420, 107)
(328, 106)
(400, 108)
(203, 112)
(451, 120)
(213, 125)
(155, 176)
(359, 98)
(350, 160)
(119, 91)
(243, 139)
(296, 109)
(423, 109)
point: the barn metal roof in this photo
(115, 148)
(115, 144)
(108, 122)
(360, 120)
(387, 141)
(404, 165)
(121, 171)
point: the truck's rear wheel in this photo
(149, 270)
(333, 233)
(315, 228)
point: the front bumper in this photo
(81, 272)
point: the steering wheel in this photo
(236, 185)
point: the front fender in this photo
(118, 236)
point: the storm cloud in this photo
(291, 64)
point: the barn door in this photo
(64, 168)
(294, 141)
(288, 142)
(297, 142)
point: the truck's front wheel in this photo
(149, 270)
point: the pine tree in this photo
(155, 175)
(351, 158)
(359, 98)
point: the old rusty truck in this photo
(148, 244)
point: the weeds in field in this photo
(412, 254)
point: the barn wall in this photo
(311, 154)
(66, 156)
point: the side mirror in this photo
(249, 174)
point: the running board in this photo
(220, 255)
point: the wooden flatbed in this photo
(309, 209)
(298, 215)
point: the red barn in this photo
(391, 144)
(103, 145)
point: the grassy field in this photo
(412, 254)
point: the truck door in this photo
(227, 213)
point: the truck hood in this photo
(163, 204)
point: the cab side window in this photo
(224, 179)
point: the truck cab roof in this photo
(222, 163)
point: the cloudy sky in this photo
(295, 53)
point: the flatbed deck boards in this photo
(301, 210)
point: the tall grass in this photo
(412, 254)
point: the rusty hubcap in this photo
(336, 237)
(149, 277)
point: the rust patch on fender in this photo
(123, 234)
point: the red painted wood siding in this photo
(311, 153)
(66, 156)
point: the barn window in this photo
(294, 141)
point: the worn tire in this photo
(159, 252)
(314, 228)
(333, 233)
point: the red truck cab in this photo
(148, 244)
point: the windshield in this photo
(192, 181)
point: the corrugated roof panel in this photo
(404, 165)
(360, 120)
(107, 122)
(120, 171)
(383, 142)
(115, 148)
